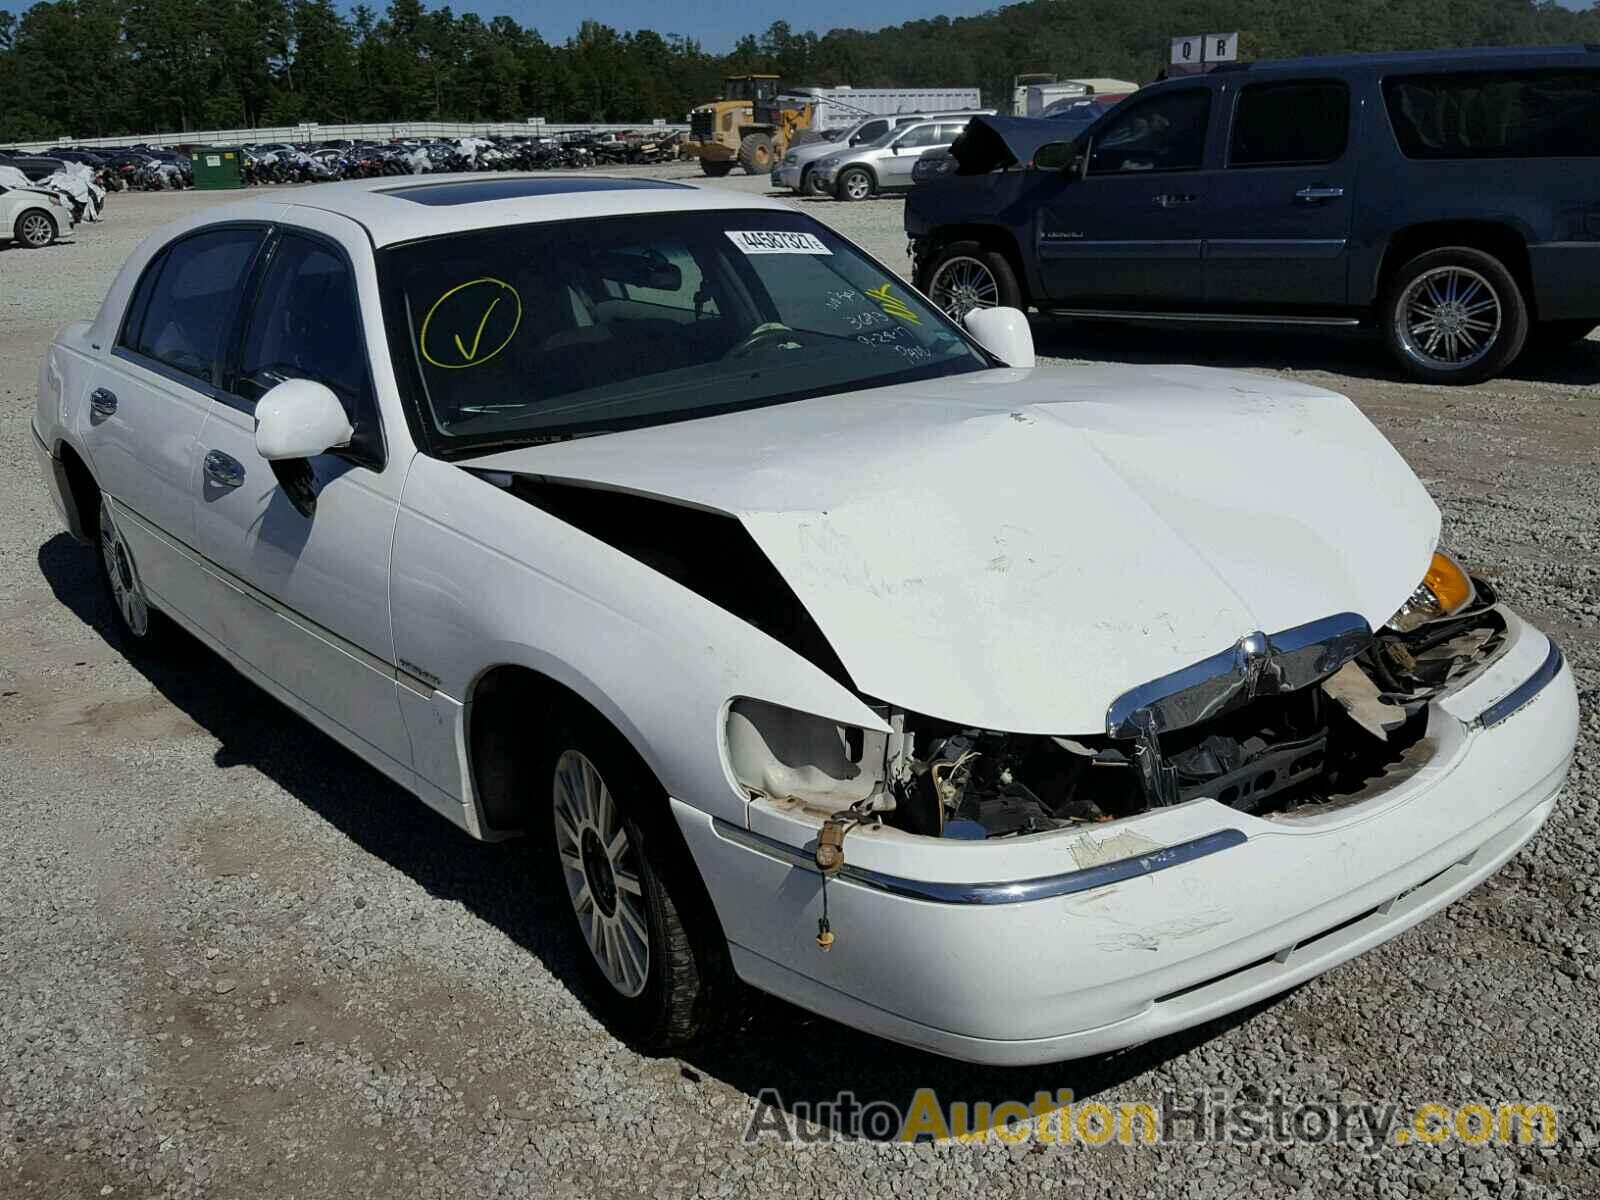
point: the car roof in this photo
(402, 209)
(1466, 58)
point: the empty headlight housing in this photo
(782, 754)
(1445, 590)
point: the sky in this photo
(716, 24)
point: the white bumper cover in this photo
(1150, 925)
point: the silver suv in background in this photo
(794, 171)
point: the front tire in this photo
(1454, 316)
(853, 184)
(966, 275)
(653, 950)
(35, 229)
(809, 184)
(755, 154)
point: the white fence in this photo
(381, 132)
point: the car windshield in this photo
(542, 332)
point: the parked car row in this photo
(1447, 199)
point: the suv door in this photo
(1278, 217)
(149, 396)
(1128, 232)
(895, 162)
(303, 589)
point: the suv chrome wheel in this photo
(1448, 318)
(961, 284)
(601, 868)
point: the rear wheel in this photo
(1454, 316)
(853, 184)
(965, 275)
(35, 229)
(653, 948)
(137, 618)
(755, 154)
(715, 169)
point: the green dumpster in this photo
(216, 168)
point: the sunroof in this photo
(475, 191)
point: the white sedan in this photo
(1014, 712)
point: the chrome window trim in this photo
(1523, 694)
(1018, 891)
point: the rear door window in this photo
(181, 318)
(917, 135)
(1496, 114)
(1290, 125)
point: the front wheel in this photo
(35, 229)
(853, 184)
(1454, 316)
(810, 185)
(654, 950)
(965, 275)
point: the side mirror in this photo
(300, 418)
(1055, 156)
(1004, 333)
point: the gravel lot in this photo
(236, 962)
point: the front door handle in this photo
(223, 469)
(1319, 193)
(103, 402)
(1171, 200)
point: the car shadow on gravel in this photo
(776, 1053)
(1359, 354)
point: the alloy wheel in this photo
(1448, 318)
(36, 229)
(125, 590)
(962, 284)
(601, 868)
(857, 186)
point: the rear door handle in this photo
(1170, 200)
(223, 469)
(103, 402)
(1319, 193)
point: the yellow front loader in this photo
(752, 126)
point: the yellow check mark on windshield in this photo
(469, 355)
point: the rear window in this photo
(1290, 124)
(1496, 114)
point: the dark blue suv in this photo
(1450, 199)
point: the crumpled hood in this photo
(1014, 549)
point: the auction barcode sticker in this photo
(776, 241)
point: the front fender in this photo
(482, 579)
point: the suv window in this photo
(305, 323)
(1164, 133)
(183, 304)
(1290, 124)
(917, 135)
(1496, 114)
(950, 132)
(870, 132)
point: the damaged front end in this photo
(1325, 714)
